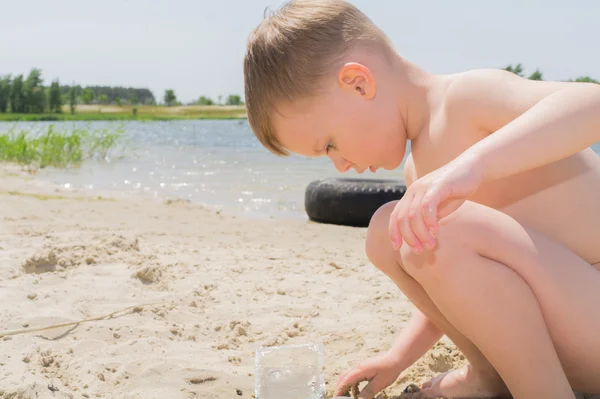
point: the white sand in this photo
(220, 287)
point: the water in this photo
(291, 372)
(215, 163)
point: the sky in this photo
(196, 47)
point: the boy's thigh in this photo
(566, 286)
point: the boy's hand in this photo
(414, 221)
(380, 371)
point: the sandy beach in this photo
(167, 299)
(151, 243)
(196, 292)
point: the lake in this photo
(218, 163)
(214, 163)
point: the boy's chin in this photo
(392, 166)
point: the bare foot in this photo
(465, 383)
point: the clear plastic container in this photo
(290, 372)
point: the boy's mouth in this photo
(373, 169)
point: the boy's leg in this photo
(529, 304)
(480, 376)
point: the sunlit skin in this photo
(496, 237)
(328, 124)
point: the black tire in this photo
(349, 202)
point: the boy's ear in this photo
(357, 78)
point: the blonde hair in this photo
(292, 49)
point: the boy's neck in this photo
(414, 87)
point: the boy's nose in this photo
(341, 164)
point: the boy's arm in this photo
(419, 336)
(532, 123)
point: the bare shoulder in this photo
(491, 98)
(409, 170)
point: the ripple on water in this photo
(215, 163)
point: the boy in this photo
(496, 239)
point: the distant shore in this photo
(126, 112)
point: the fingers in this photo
(406, 231)
(394, 228)
(343, 384)
(399, 226)
(368, 392)
(429, 210)
(417, 227)
(414, 221)
(371, 389)
(353, 377)
(346, 381)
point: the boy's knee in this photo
(452, 242)
(378, 245)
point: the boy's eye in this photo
(330, 146)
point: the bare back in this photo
(561, 200)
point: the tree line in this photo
(538, 75)
(28, 95)
(20, 94)
(111, 95)
(25, 95)
(170, 99)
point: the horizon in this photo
(197, 48)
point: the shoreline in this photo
(126, 113)
(166, 198)
(219, 286)
(107, 117)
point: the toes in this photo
(427, 384)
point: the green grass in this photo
(105, 117)
(59, 149)
(144, 113)
(69, 117)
